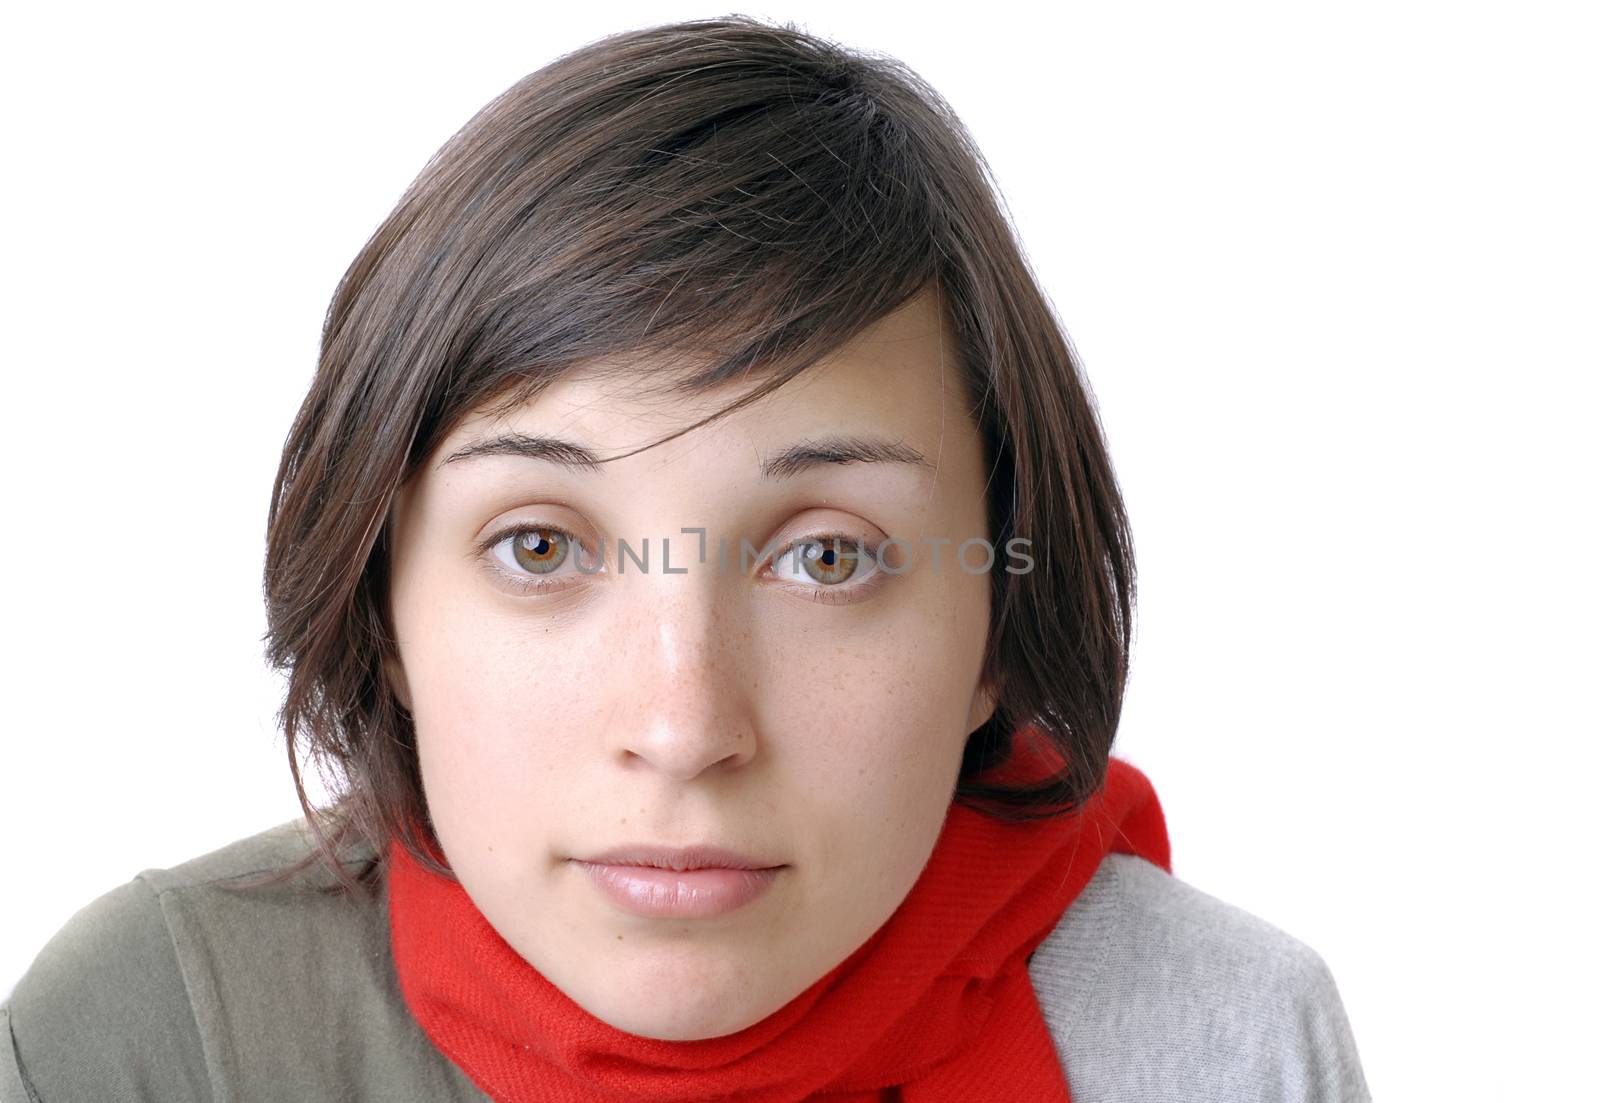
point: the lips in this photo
(680, 858)
(656, 893)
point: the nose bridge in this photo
(686, 709)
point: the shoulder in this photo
(104, 992)
(1155, 990)
(175, 980)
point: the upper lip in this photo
(678, 858)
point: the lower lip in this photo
(679, 894)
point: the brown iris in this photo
(830, 560)
(540, 550)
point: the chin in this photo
(676, 1005)
(698, 1022)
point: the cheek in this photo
(495, 732)
(871, 732)
(871, 756)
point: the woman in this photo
(699, 570)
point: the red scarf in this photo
(938, 1000)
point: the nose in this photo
(683, 703)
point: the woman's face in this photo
(800, 713)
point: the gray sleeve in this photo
(103, 1012)
(13, 1088)
(1170, 995)
(1326, 1063)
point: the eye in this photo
(837, 567)
(530, 557)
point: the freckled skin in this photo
(716, 706)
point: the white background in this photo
(1332, 272)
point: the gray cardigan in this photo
(167, 989)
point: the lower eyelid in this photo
(839, 595)
(501, 575)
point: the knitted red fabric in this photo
(935, 1007)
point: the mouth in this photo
(653, 892)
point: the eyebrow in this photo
(793, 460)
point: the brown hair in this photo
(731, 197)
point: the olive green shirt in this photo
(170, 989)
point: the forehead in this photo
(898, 377)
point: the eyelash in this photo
(825, 595)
